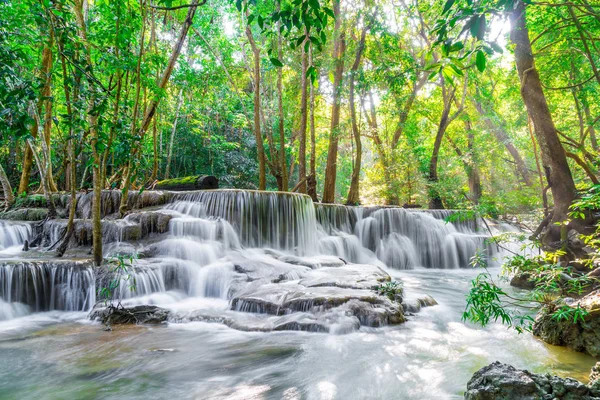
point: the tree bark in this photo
(9, 198)
(553, 154)
(262, 171)
(338, 57)
(45, 76)
(353, 193)
(303, 122)
(311, 180)
(282, 158)
(173, 131)
(435, 199)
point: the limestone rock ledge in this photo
(582, 336)
(499, 381)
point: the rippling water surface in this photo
(63, 356)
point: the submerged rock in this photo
(499, 381)
(130, 315)
(280, 299)
(581, 336)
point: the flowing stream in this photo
(270, 298)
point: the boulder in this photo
(522, 280)
(499, 381)
(414, 305)
(130, 315)
(581, 336)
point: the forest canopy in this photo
(454, 104)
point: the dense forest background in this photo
(375, 102)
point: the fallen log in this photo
(196, 182)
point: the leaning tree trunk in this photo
(553, 154)
(162, 85)
(6, 188)
(338, 57)
(45, 73)
(435, 199)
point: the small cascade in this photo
(401, 238)
(48, 285)
(280, 221)
(13, 234)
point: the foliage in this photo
(392, 290)
(206, 109)
(487, 301)
(119, 275)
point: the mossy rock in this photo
(25, 214)
(196, 182)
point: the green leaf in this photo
(480, 60)
(448, 6)
(329, 12)
(276, 62)
(314, 4)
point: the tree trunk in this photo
(45, 76)
(311, 180)
(152, 106)
(353, 192)
(435, 199)
(71, 173)
(303, 122)
(553, 154)
(94, 138)
(338, 57)
(282, 159)
(262, 172)
(173, 131)
(6, 188)
(591, 129)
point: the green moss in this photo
(25, 214)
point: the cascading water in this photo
(13, 234)
(44, 285)
(254, 262)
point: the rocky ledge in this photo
(581, 336)
(499, 381)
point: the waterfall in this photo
(401, 238)
(13, 234)
(281, 221)
(251, 251)
(46, 285)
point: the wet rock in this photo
(350, 276)
(499, 381)
(280, 299)
(25, 214)
(595, 378)
(130, 315)
(522, 280)
(415, 305)
(582, 336)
